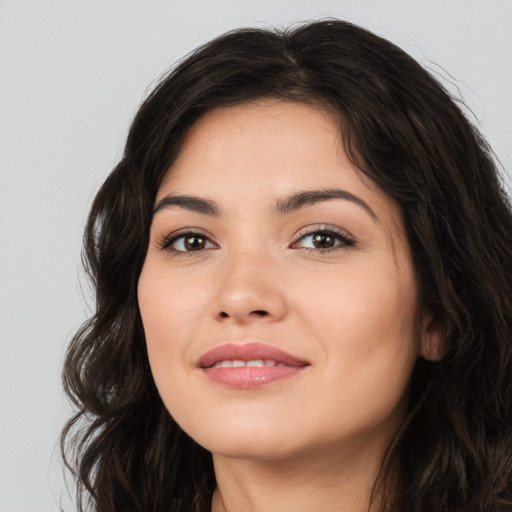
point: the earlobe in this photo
(432, 337)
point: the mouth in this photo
(250, 365)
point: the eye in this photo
(324, 240)
(187, 242)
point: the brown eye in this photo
(324, 240)
(194, 243)
(188, 242)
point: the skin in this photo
(351, 309)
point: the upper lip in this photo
(248, 352)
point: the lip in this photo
(249, 377)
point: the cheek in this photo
(173, 309)
(370, 305)
(165, 315)
(169, 305)
(367, 326)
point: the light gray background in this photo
(71, 76)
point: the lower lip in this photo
(250, 377)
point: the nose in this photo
(249, 290)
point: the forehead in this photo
(266, 137)
(267, 149)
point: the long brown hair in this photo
(403, 130)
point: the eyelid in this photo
(166, 241)
(346, 238)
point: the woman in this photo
(303, 297)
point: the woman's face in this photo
(267, 246)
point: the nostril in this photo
(260, 312)
(256, 312)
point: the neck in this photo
(320, 481)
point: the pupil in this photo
(322, 241)
(193, 243)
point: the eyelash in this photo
(166, 243)
(346, 241)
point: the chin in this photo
(251, 449)
(239, 440)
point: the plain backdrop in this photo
(72, 74)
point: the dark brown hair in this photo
(400, 128)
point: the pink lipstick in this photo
(249, 366)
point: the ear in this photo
(432, 337)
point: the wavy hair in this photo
(402, 129)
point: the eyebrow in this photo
(194, 204)
(310, 197)
(284, 206)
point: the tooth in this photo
(256, 362)
(238, 363)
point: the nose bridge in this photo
(247, 287)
